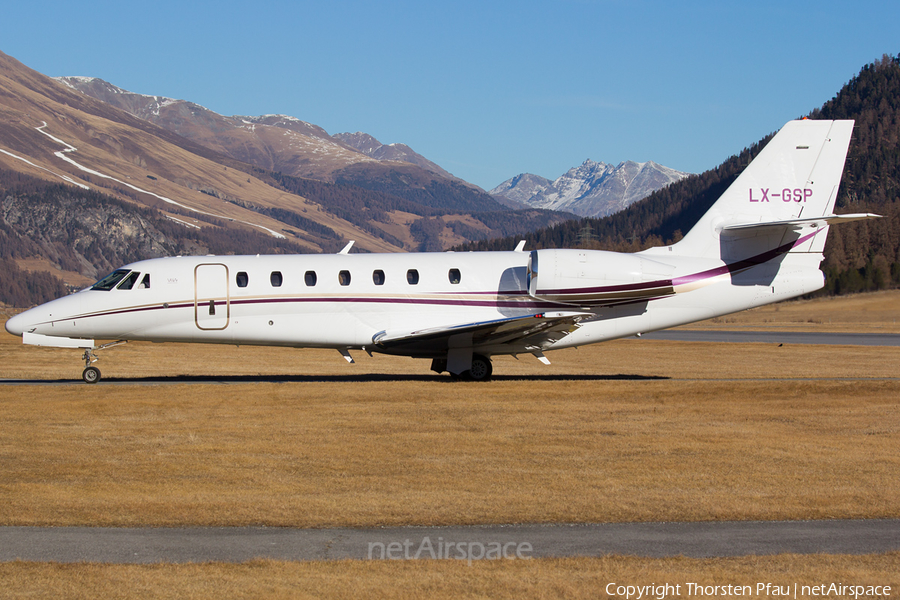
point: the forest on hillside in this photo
(859, 256)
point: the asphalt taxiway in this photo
(237, 544)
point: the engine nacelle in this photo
(596, 277)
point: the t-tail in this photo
(772, 222)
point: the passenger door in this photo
(212, 307)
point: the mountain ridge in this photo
(271, 151)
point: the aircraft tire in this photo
(91, 375)
(481, 369)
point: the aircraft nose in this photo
(17, 325)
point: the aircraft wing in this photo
(531, 331)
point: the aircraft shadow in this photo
(366, 378)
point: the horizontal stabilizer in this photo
(52, 341)
(521, 329)
(800, 223)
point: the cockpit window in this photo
(129, 281)
(110, 281)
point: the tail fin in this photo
(783, 199)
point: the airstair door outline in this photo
(212, 305)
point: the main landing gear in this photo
(480, 369)
(91, 374)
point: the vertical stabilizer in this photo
(795, 177)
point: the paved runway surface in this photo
(236, 544)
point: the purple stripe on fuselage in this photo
(734, 267)
(524, 304)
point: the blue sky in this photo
(486, 89)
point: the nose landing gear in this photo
(91, 374)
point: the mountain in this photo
(85, 185)
(278, 143)
(858, 256)
(594, 189)
(58, 135)
(273, 142)
(294, 148)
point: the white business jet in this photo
(761, 242)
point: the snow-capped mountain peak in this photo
(592, 189)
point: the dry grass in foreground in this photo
(320, 454)
(541, 578)
(632, 430)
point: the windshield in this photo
(110, 281)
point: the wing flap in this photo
(531, 329)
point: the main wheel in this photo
(91, 375)
(481, 369)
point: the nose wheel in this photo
(91, 374)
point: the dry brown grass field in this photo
(631, 430)
(573, 578)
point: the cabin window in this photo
(129, 281)
(310, 278)
(412, 277)
(455, 276)
(145, 282)
(241, 279)
(344, 277)
(110, 281)
(378, 277)
(275, 278)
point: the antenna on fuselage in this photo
(346, 249)
(520, 247)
